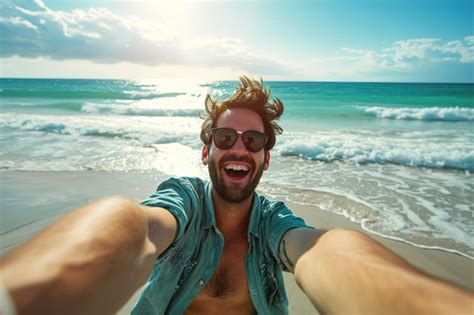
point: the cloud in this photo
(403, 55)
(412, 48)
(33, 30)
(464, 49)
(17, 21)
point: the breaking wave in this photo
(426, 114)
(409, 149)
(139, 110)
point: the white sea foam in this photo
(139, 111)
(146, 130)
(403, 148)
(413, 205)
(184, 105)
(428, 114)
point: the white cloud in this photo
(465, 49)
(102, 36)
(18, 21)
(403, 55)
(355, 51)
(412, 48)
(469, 40)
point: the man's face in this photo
(231, 185)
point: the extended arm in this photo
(344, 272)
(89, 262)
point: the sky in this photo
(329, 40)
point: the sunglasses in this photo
(225, 138)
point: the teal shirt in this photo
(189, 263)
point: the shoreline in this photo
(35, 199)
(422, 258)
(424, 247)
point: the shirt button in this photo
(201, 282)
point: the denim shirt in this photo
(185, 268)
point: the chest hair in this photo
(223, 282)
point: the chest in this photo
(227, 288)
(230, 277)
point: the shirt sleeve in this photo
(7, 306)
(281, 219)
(176, 197)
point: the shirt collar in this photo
(255, 215)
(209, 218)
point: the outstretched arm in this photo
(343, 271)
(89, 262)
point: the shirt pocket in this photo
(269, 280)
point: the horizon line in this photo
(233, 80)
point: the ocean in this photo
(397, 158)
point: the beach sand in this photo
(32, 200)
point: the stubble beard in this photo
(234, 194)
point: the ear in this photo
(204, 154)
(266, 163)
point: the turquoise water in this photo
(397, 158)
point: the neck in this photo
(232, 219)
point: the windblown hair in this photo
(250, 94)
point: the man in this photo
(220, 246)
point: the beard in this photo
(234, 194)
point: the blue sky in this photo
(409, 41)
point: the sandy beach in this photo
(32, 200)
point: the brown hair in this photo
(250, 94)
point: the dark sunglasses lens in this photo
(224, 138)
(253, 140)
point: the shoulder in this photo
(181, 192)
(269, 206)
(277, 217)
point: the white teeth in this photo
(236, 167)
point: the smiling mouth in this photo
(236, 171)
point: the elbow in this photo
(116, 203)
(123, 214)
(127, 223)
(104, 229)
(341, 240)
(336, 238)
(330, 245)
(345, 234)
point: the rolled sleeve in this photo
(173, 196)
(281, 221)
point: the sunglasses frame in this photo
(241, 133)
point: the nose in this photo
(239, 145)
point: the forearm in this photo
(347, 272)
(90, 262)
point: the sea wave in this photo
(408, 150)
(65, 128)
(131, 110)
(144, 130)
(86, 94)
(426, 114)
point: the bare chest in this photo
(227, 289)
